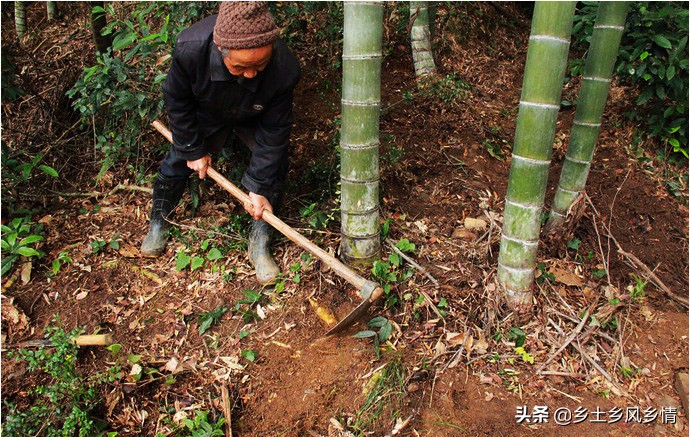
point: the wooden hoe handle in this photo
(336, 265)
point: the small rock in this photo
(413, 387)
(463, 234)
(474, 224)
(681, 386)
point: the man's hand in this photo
(200, 165)
(258, 205)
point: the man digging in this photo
(231, 78)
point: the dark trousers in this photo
(173, 167)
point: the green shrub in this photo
(19, 238)
(120, 95)
(65, 405)
(654, 57)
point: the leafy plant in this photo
(637, 290)
(200, 426)
(67, 404)
(206, 320)
(100, 245)
(245, 306)
(450, 89)
(654, 57)
(390, 272)
(120, 94)
(19, 238)
(63, 257)
(385, 329)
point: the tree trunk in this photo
(98, 22)
(359, 132)
(20, 18)
(547, 56)
(601, 58)
(51, 9)
(420, 37)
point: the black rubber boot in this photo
(166, 195)
(267, 271)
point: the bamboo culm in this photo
(359, 133)
(20, 18)
(601, 58)
(420, 37)
(547, 56)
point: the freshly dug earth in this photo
(441, 163)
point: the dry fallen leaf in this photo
(566, 277)
(26, 273)
(128, 251)
(81, 295)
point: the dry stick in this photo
(412, 262)
(608, 227)
(567, 341)
(227, 409)
(586, 356)
(635, 260)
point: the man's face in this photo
(248, 62)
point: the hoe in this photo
(368, 291)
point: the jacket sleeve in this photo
(270, 152)
(180, 102)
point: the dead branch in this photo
(567, 341)
(227, 409)
(412, 262)
(635, 260)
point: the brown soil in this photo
(436, 171)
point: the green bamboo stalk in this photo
(601, 58)
(420, 36)
(359, 132)
(51, 10)
(20, 18)
(547, 56)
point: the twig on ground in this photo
(655, 279)
(412, 262)
(227, 409)
(121, 187)
(591, 361)
(635, 260)
(567, 341)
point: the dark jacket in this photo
(202, 97)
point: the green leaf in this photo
(377, 322)
(114, 348)
(182, 260)
(28, 251)
(48, 170)
(365, 334)
(405, 246)
(573, 244)
(251, 296)
(243, 334)
(133, 359)
(197, 262)
(386, 330)
(206, 320)
(662, 41)
(214, 254)
(30, 239)
(395, 259)
(123, 39)
(249, 354)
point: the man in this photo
(231, 77)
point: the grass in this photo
(385, 390)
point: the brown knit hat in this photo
(244, 25)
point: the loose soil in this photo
(436, 171)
